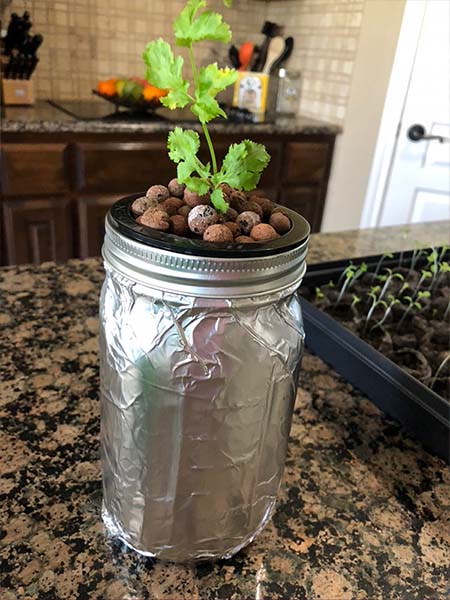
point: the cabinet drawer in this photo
(34, 169)
(119, 168)
(306, 201)
(306, 162)
(37, 230)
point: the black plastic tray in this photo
(420, 410)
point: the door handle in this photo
(417, 133)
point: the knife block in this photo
(18, 92)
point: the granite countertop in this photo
(44, 118)
(363, 513)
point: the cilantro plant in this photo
(243, 164)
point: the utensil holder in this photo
(18, 92)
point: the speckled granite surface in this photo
(366, 242)
(44, 118)
(364, 512)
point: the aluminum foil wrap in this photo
(197, 396)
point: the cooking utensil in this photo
(289, 45)
(245, 55)
(270, 30)
(233, 55)
(274, 51)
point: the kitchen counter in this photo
(364, 511)
(43, 118)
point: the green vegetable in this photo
(244, 162)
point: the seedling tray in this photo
(418, 408)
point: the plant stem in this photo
(205, 129)
(211, 148)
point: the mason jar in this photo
(200, 351)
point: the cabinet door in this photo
(34, 169)
(122, 167)
(91, 223)
(306, 162)
(307, 202)
(37, 230)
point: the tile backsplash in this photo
(88, 40)
(326, 34)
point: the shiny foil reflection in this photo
(196, 402)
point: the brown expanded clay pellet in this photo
(234, 228)
(244, 239)
(247, 220)
(176, 189)
(280, 222)
(250, 206)
(263, 233)
(158, 192)
(192, 199)
(171, 205)
(140, 205)
(178, 225)
(184, 210)
(156, 219)
(218, 233)
(266, 205)
(201, 217)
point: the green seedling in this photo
(375, 301)
(383, 257)
(444, 249)
(432, 260)
(443, 268)
(388, 279)
(411, 305)
(319, 294)
(351, 274)
(425, 275)
(244, 162)
(417, 253)
(439, 369)
(392, 301)
(355, 300)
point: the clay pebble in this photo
(263, 233)
(156, 219)
(218, 233)
(201, 217)
(140, 205)
(176, 189)
(158, 192)
(247, 220)
(280, 222)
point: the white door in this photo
(418, 184)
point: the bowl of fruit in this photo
(132, 92)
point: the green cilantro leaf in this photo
(242, 166)
(165, 72)
(211, 80)
(207, 26)
(218, 201)
(183, 145)
(195, 184)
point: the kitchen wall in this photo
(326, 34)
(87, 40)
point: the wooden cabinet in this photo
(37, 230)
(57, 188)
(91, 210)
